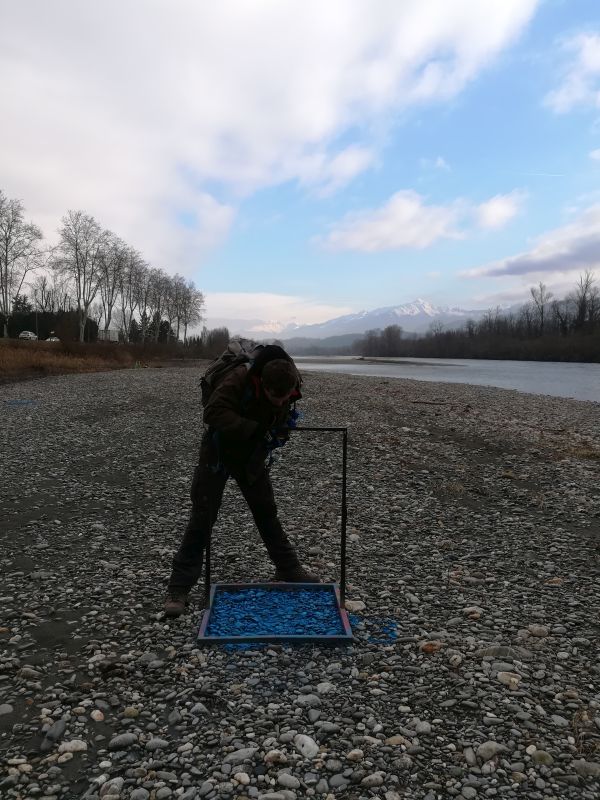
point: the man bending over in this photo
(247, 415)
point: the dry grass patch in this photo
(582, 451)
(455, 488)
(23, 359)
(585, 451)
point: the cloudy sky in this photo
(301, 160)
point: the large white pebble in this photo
(489, 749)
(306, 746)
(288, 781)
(510, 679)
(325, 687)
(74, 746)
(355, 755)
(538, 630)
(355, 605)
(275, 757)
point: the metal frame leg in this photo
(344, 432)
(344, 520)
(207, 564)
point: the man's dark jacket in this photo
(239, 416)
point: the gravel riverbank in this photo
(474, 578)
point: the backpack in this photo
(237, 352)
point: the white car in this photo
(53, 339)
(28, 335)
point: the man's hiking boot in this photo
(296, 575)
(175, 604)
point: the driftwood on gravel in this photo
(473, 546)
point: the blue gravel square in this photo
(277, 611)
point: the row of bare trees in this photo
(544, 315)
(92, 271)
(545, 328)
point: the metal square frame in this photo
(344, 519)
(339, 590)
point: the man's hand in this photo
(276, 437)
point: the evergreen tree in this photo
(21, 305)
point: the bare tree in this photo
(131, 280)
(594, 309)
(157, 299)
(526, 319)
(96, 312)
(581, 297)
(112, 263)
(488, 324)
(369, 346)
(179, 289)
(391, 340)
(42, 293)
(51, 293)
(541, 298)
(61, 291)
(78, 256)
(562, 313)
(19, 253)
(171, 290)
(192, 308)
(143, 291)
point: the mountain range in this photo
(414, 317)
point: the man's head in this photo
(279, 379)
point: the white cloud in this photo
(201, 223)
(329, 174)
(277, 309)
(345, 166)
(580, 85)
(595, 155)
(508, 297)
(435, 163)
(406, 221)
(499, 210)
(562, 252)
(142, 110)
(559, 285)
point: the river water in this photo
(557, 379)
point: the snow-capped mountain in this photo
(414, 317)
